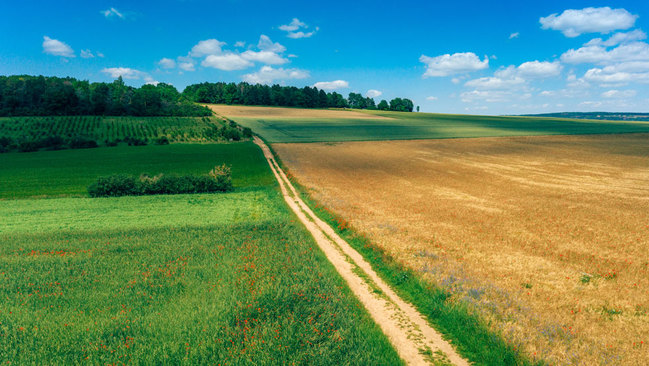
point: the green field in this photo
(228, 278)
(405, 126)
(69, 172)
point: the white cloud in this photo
(619, 94)
(167, 63)
(206, 48)
(125, 72)
(112, 12)
(294, 25)
(300, 34)
(619, 38)
(187, 66)
(431, 98)
(227, 62)
(293, 29)
(612, 75)
(456, 63)
(56, 47)
(373, 93)
(633, 51)
(86, 54)
(267, 75)
(240, 44)
(514, 35)
(331, 85)
(128, 73)
(265, 44)
(264, 57)
(573, 23)
(490, 96)
(495, 83)
(539, 69)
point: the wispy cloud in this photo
(514, 35)
(573, 23)
(457, 63)
(297, 29)
(112, 13)
(373, 93)
(268, 74)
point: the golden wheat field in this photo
(242, 111)
(546, 237)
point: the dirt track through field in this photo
(414, 339)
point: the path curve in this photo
(414, 339)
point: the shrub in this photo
(114, 186)
(219, 179)
(79, 142)
(230, 133)
(6, 144)
(111, 143)
(53, 143)
(247, 132)
(134, 141)
(162, 140)
(222, 175)
(28, 146)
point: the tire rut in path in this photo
(416, 342)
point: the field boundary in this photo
(408, 331)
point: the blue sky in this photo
(453, 57)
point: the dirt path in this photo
(411, 335)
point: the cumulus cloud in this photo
(266, 44)
(206, 48)
(128, 73)
(617, 74)
(619, 94)
(296, 29)
(240, 44)
(513, 78)
(619, 38)
(112, 13)
(187, 66)
(56, 47)
(267, 75)
(456, 63)
(331, 85)
(373, 93)
(514, 35)
(597, 54)
(167, 63)
(227, 62)
(264, 57)
(539, 69)
(573, 23)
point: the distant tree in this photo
(383, 105)
(417, 108)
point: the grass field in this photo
(298, 125)
(69, 172)
(102, 129)
(220, 279)
(545, 237)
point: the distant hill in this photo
(611, 116)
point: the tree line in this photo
(25, 95)
(286, 96)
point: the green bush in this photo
(219, 179)
(79, 142)
(162, 140)
(114, 186)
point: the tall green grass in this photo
(228, 278)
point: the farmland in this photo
(545, 237)
(69, 172)
(224, 278)
(299, 125)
